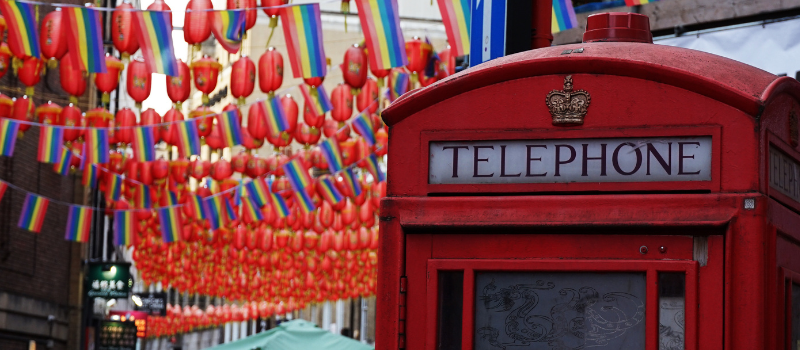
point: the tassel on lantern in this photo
(346, 11)
(52, 63)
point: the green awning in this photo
(295, 335)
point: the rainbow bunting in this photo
(351, 182)
(143, 198)
(330, 149)
(50, 144)
(196, 202)
(251, 208)
(89, 176)
(171, 199)
(228, 27)
(278, 203)
(302, 28)
(124, 227)
(304, 201)
(257, 191)
(363, 125)
(85, 39)
(170, 220)
(96, 146)
(272, 109)
(213, 211)
(188, 138)
(8, 136)
(229, 127)
(329, 191)
(143, 150)
(638, 2)
(297, 174)
(79, 223)
(3, 188)
(237, 194)
(33, 210)
(380, 22)
(113, 187)
(564, 15)
(62, 166)
(155, 39)
(317, 100)
(374, 168)
(399, 84)
(23, 36)
(231, 214)
(456, 18)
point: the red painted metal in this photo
(736, 235)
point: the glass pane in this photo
(795, 316)
(558, 310)
(451, 306)
(671, 311)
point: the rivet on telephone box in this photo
(612, 194)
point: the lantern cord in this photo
(271, 31)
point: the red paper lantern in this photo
(270, 71)
(257, 122)
(30, 73)
(221, 170)
(249, 142)
(204, 120)
(314, 82)
(199, 168)
(169, 132)
(71, 116)
(368, 97)
(123, 35)
(138, 81)
(6, 104)
(381, 142)
(205, 72)
(98, 118)
(239, 162)
(196, 23)
(290, 108)
(214, 139)
(342, 102)
(179, 88)
(243, 75)
(307, 135)
(273, 11)
(5, 59)
(447, 63)
(151, 117)
(125, 120)
(48, 113)
(72, 79)
(23, 109)
(354, 68)
(418, 52)
(332, 128)
(109, 81)
(53, 37)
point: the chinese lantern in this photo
(243, 76)
(98, 118)
(342, 102)
(257, 122)
(169, 132)
(199, 169)
(313, 83)
(205, 72)
(123, 35)
(270, 71)
(249, 142)
(204, 120)
(5, 59)
(150, 117)
(354, 68)
(23, 109)
(290, 109)
(214, 139)
(30, 73)
(109, 81)
(368, 97)
(332, 128)
(307, 135)
(447, 64)
(381, 142)
(6, 104)
(418, 52)
(124, 120)
(160, 5)
(71, 115)
(221, 170)
(249, 16)
(72, 79)
(196, 24)
(48, 113)
(138, 81)
(53, 37)
(179, 87)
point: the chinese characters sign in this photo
(154, 304)
(108, 280)
(113, 335)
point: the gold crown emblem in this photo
(568, 106)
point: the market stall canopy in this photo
(295, 335)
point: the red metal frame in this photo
(788, 277)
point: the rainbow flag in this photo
(456, 18)
(272, 109)
(229, 127)
(257, 191)
(50, 144)
(23, 36)
(33, 210)
(363, 125)
(399, 84)
(213, 211)
(374, 169)
(188, 138)
(278, 203)
(3, 188)
(79, 223)
(96, 146)
(196, 202)
(113, 187)
(380, 22)
(351, 182)
(564, 15)
(8, 136)
(171, 199)
(155, 39)
(170, 220)
(329, 191)
(90, 173)
(304, 201)
(330, 149)
(637, 2)
(143, 150)
(62, 166)
(317, 101)
(302, 28)
(229, 209)
(124, 227)
(85, 38)
(143, 198)
(297, 174)
(228, 27)
(251, 208)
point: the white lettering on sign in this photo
(784, 172)
(573, 160)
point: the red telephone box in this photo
(613, 194)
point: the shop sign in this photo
(116, 335)
(108, 280)
(154, 304)
(138, 318)
(784, 172)
(571, 160)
